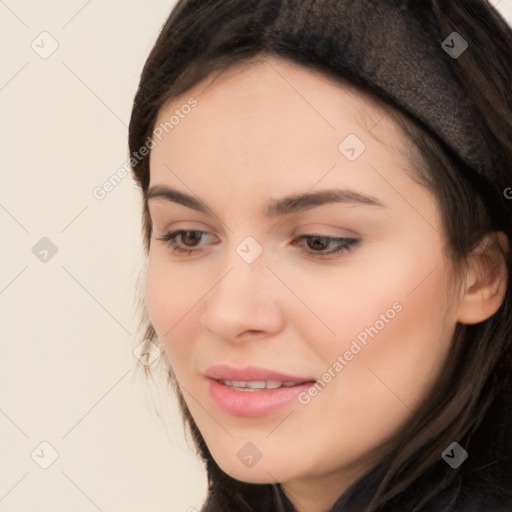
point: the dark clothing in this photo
(474, 496)
(469, 502)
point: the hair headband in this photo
(397, 52)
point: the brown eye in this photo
(188, 241)
(317, 245)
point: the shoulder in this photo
(478, 499)
(469, 503)
(478, 503)
(481, 506)
(477, 495)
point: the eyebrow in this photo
(276, 207)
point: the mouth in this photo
(254, 376)
(261, 393)
(259, 385)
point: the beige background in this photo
(67, 374)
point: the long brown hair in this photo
(472, 400)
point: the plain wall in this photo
(67, 324)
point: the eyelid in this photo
(299, 231)
(167, 227)
(318, 229)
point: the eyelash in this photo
(346, 245)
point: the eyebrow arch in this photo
(276, 207)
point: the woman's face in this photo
(371, 323)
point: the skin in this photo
(265, 130)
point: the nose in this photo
(245, 302)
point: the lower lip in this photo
(253, 403)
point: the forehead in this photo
(272, 121)
(270, 80)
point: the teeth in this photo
(259, 384)
(272, 384)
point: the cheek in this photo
(390, 365)
(392, 340)
(158, 293)
(388, 320)
(391, 296)
(414, 348)
(171, 301)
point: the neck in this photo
(320, 493)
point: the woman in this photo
(327, 215)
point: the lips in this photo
(253, 391)
(253, 374)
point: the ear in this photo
(486, 281)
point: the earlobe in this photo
(486, 281)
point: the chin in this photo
(260, 477)
(262, 472)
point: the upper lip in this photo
(251, 374)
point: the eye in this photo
(169, 239)
(318, 243)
